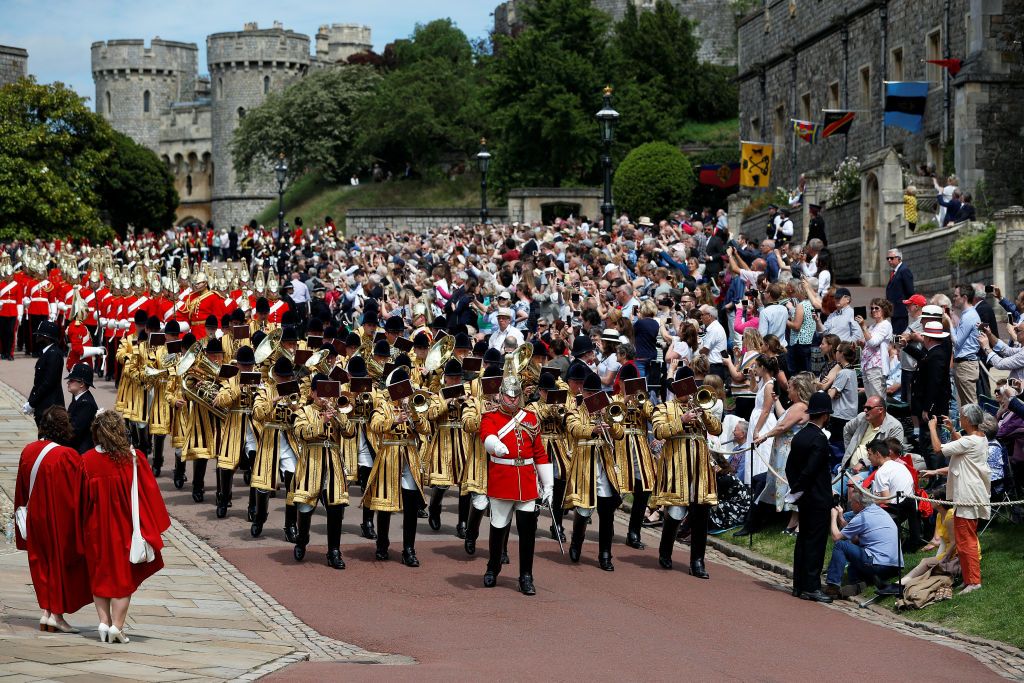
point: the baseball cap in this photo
(916, 300)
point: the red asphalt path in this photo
(637, 622)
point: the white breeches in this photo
(501, 510)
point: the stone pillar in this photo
(1008, 251)
(737, 202)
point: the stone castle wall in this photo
(136, 84)
(13, 64)
(830, 55)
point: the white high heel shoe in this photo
(116, 635)
(104, 631)
(56, 627)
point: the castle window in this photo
(833, 95)
(779, 129)
(865, 92)
(188, 185)
(110, 109)
(266, 84)
(145, 102)
(755, 128)
(933, 50)
(241, 113)
(220, 88)
(805, 106)
(896, 64)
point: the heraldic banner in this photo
(756, 165)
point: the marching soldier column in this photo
(216, 360)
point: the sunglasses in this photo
(876, 308)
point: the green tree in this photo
(545, 87)
(136, 188)
(52, 154)
(428, 107)
(312, 122)
(653, 180)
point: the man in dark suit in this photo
(931, 391)
(82, 408)
(899, 288)
(810, 487)
(46, 390)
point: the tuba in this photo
(270, 348)
(517, 361)
(199, 379)
(439, 354)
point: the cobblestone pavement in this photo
(197, 620)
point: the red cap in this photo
(916, 300)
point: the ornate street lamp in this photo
(483, 160)
(281, 171)
(607, 118)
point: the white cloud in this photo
(58, 33)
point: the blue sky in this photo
(58, 33)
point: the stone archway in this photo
(870, 212)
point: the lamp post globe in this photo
(607, 118)
(281, 173)
(483, 160)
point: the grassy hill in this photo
(313, 198)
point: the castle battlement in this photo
(255, 48)
(133, 56)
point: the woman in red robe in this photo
(107, 522)
(55, 562)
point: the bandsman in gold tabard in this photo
(395, 483)
(552, 435)
(160, 409)
(633, 453)
(592, 480)
(237, 443)
(131, 392)
(272, 417)
(203, 429)
(474, 475)
(686, 476)
(359, 452)
(445, 451)
(320, 473)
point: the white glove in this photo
(546, 476)
(490, 443)
(111, 324)
(25, 301)
(102, 322)
(51, 317)
(61, 306)
(27, 409)
(21, 311)
(219, 333)
(124, 325)
(90, 351)
(184, 327)
(500, 449)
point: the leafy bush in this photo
(653, 180)
(975, 249)
(779, 198)
(845, 182)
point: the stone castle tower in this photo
(156, 96)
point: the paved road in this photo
(639, 621)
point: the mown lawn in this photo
(313, 198)
(996, 611)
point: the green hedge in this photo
(654, 180)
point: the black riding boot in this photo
(698, 515)
(473, 529)
(558, 495)
(224, 478)
(383, 530)
(668, 541)
(526, 525)
(179, 470)
(199, 479)
(504, 548)
(335, 515)
(302, 534)
(465, 502)
(410, 515)
(291, 533)
(158, 454)
(434, 509)
(605, 532)
(579, 532)
(495, 543)
(245, 465)
(636, 516)
(260, 512)
(250, 511)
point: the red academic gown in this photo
(507, 480)
(55, 560)
(107, 523)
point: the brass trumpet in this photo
(615, 413)
(345, 405)
(421, 401)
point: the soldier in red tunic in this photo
(517, 461)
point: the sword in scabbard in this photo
(555, 526)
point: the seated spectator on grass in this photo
(873, 422)
(866, 547)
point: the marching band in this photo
(214, 360)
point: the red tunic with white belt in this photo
(513, 476)
(78, 339)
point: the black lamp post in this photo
(281, 171)
(607, 118)
(483, 160)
